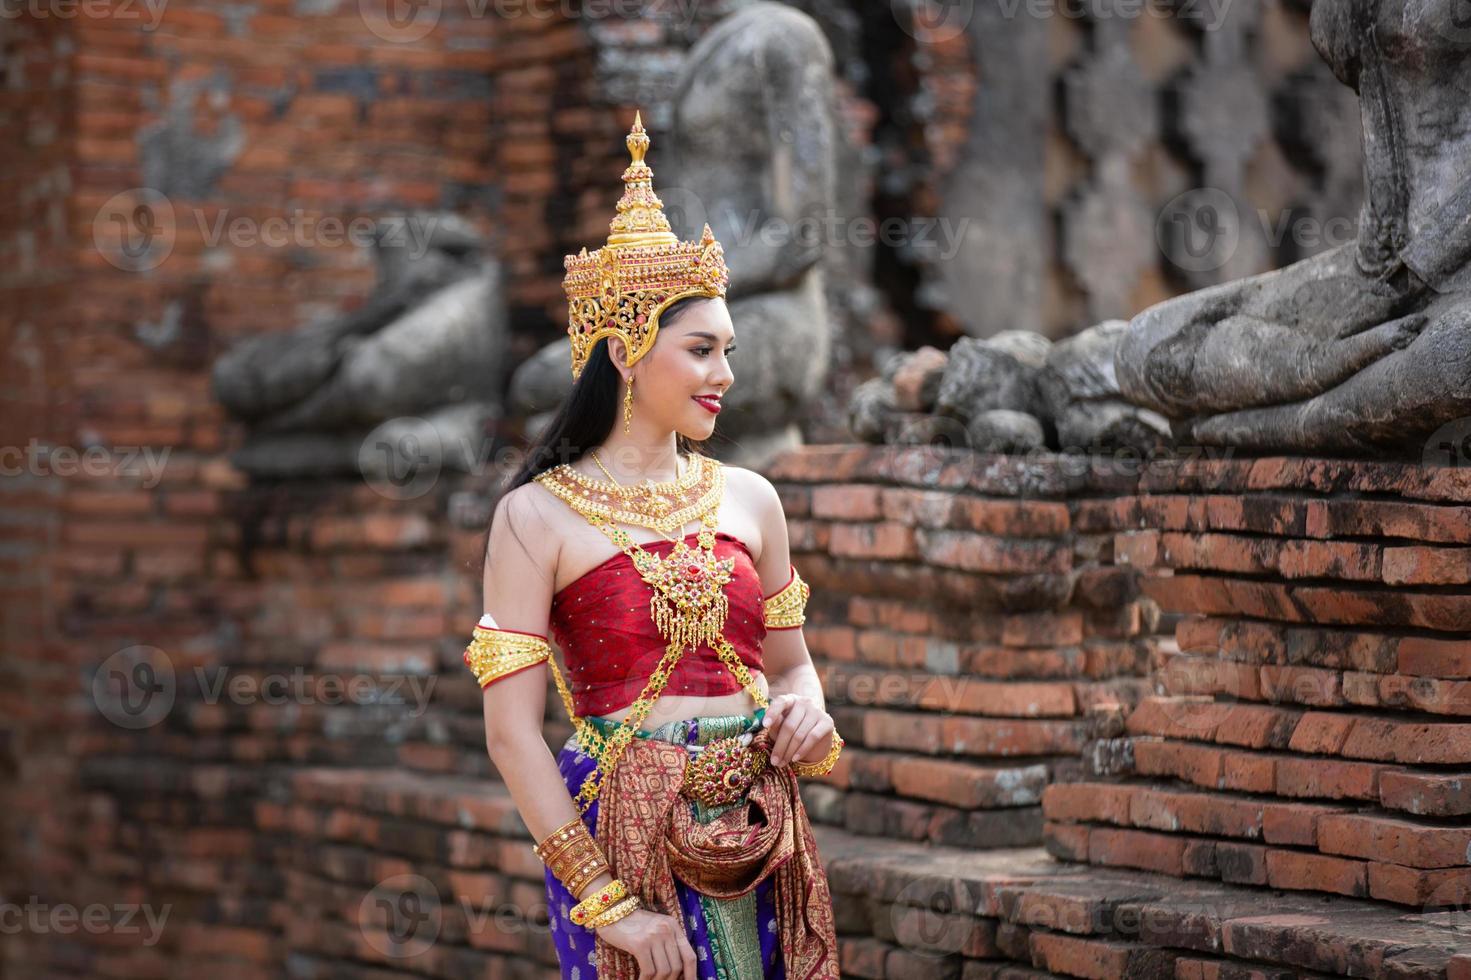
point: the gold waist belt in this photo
(721, 770)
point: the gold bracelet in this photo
(825, 766)
(572, 855)
(561, 833)
(598, 902)
(579, 876)
(615, 912)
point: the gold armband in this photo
(494, 653)
(785, 608)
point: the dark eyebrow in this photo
(707, 335)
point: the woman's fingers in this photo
(791, 727)
(687, 955)
(660, 956)
(779, 706)
(803, 734)
(819, 734)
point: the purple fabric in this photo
(576, 944)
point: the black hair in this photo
(585, 418)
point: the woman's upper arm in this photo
(784, 648)
(520, 565)
(774, 566)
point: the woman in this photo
(675, 840)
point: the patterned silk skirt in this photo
(733, 939)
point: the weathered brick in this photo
(1137, 849)
(846, 502)
(1316, 872)
(1394, 840)
(1425, 793)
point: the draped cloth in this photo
(651, 838)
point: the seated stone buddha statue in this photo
(1363, 349)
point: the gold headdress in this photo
(620, 290)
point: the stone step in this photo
(942, 903)
(1257, 864)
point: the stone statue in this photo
(752, 153)
(1012, 392)
(1364, 349)
(427, 350)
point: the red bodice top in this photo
(601, 622)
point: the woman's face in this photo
(683, 376)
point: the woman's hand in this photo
(656, 941)
(800, 730)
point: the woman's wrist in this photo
(801, 766)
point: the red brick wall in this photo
(1317, 690)
(971, 628)
(109, 357)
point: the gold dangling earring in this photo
(628, 406)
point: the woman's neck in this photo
(630, 463)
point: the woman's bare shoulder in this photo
(755, 490)
(533, 514)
